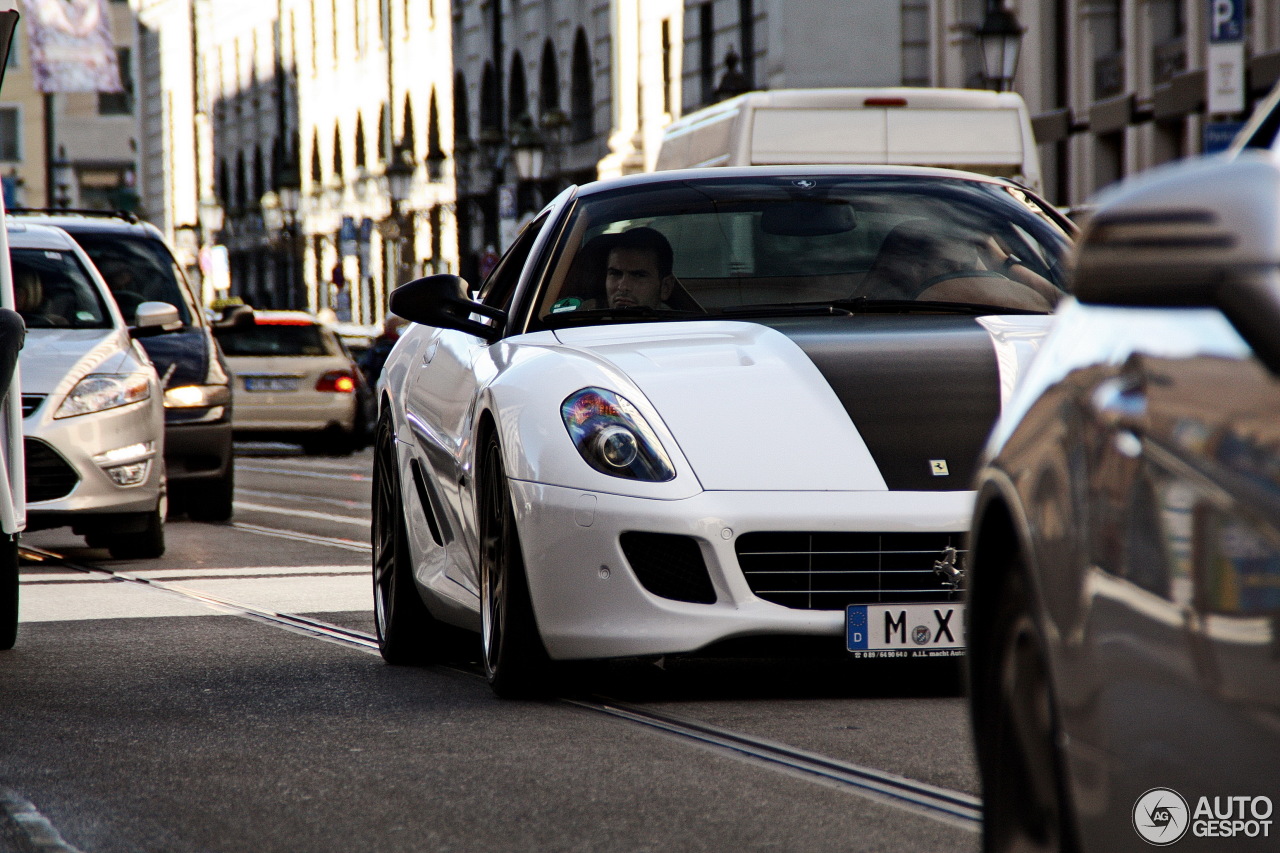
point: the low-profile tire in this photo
(213, 500)
(8, 591)
(407, 632)
(147, 544)
(515, 660)
(1025, 807)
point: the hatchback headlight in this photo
(196, 396)
(613, 437)
(98, 392)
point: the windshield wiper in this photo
(637, 313)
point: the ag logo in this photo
(1160, 816)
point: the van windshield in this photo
(137, 270)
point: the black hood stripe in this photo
(918, 388)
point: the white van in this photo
(986, 132)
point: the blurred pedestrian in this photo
(376, 356)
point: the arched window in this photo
(461, 110)
(582, 107)
(518, 94)
(548, 82)
(408, 140)
(259, 178)
(317, 174)
(435, 151)
(224, 183)
(337, 151)
(360, 145)
(384, 133)
(490, 110)
(242, 191)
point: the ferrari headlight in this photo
(196, 396)
(613, 437)
(98, 392)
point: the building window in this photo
(666, 65)
(119, 103)
(461, 114)
(518, 97)
(747, 25)
(10, 134)
(582, 107)
(707, 52)
(548, 83)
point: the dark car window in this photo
(275, 339)
(499, 287)
(741, 243)
(137, 270)
(52, 289)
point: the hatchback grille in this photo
(827, 571)
(31, 402)
(669, 566)
(49, 477)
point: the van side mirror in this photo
(1205, 234)
(155, 318)
(444, 301)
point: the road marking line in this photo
(258, 469)
(302, 513)
(354, 505)
(34, 827)
(346, 544)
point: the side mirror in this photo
(1200, 235)
(155, 318)
(443, 301)
(234, 318)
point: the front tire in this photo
(407, 632)
(515, 661)
(148, 544)
(1024, 800)
(8, 591)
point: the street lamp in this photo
(399, 175)
(399, 180)
(1001, 38)
(527, 148)
(64, 175)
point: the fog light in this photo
(129, 453)
(129, 475)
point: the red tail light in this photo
(338, 381)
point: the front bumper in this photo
(197, 452)
(590, 604)
(73, 443)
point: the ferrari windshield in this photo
(739, 246)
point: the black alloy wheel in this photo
(407, 632)
(515, 661)
(1024, 799)
(8, 591)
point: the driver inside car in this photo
(638, 271)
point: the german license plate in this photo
(905, 630)
(271, 383)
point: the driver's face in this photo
(632, 280)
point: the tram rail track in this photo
(942, 804)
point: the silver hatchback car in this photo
(93, 409)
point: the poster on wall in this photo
(71, 48)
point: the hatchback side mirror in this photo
(443, 301)
(1205, 234)
(234, 318)
(155, 318)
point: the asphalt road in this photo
(140, 717)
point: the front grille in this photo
(827, 571)
(31, 402)
(49, 477)
(669, 566)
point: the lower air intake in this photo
(669, 566)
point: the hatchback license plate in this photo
(905, 630)
(271, 383)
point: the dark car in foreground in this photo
(138, 267)
(707, 410)
(1124, 573)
